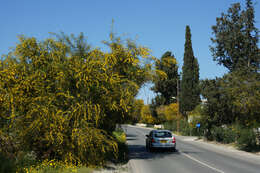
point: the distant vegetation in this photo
(230, 111)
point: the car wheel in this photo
(151, 149)
(174, 149)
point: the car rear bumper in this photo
(159, 145)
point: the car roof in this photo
(162, 131)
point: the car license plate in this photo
(163, 141)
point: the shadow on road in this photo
(130, 135)
(139, 152)
(131, 139)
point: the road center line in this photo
(202, 163)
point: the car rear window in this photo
(163, 135)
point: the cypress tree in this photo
(189, 88)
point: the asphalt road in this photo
(191, 156)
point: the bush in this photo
(185, 128)
(121, 155)
(223, 135)
(7, 165)
(170, 125)
(247, 140)
(71, 115)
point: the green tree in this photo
(189, 88)
(236, 39)
(166, 86)
(157, 102)
(135, 112)
(217, 106)
(233, 99)
(243, 93)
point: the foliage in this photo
(135, 111)
(171, 125)
(166, 86)
(195, 115)
(236, 38)
(7, 164)
(217, 108)
(62, 100)
(243, 91)
(156, 102)
(122, 155)
(247, 140)
(168, 112)
(233, 98)
(146, 116)
(185, 128)
(54, 166)
(223, 134)
(189, 88)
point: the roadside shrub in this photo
(171, 125)
(223, 134)
(122, 154)
(194, 131)
(247, 140)
(185, 128)
(25, 160)
(8, 149)
(6, 164)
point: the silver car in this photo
(160, 139)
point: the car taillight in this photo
(173, 140)
(153, 141)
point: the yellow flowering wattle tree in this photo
(146, 115)
(168, 112)
(62, 99)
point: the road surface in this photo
(191, 156)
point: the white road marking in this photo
(133, 166)
(189, 139)
(202, 163)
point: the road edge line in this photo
(202, 163)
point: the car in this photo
(160, 139)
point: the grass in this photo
(53, 166)
(60, 170)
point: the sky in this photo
(156, 24)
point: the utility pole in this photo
(178, 112)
